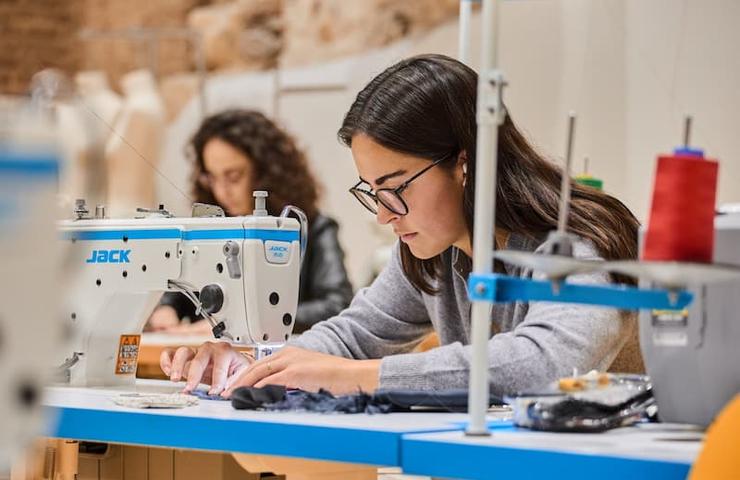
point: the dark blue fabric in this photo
(273, 397)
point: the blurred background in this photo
(143, 73)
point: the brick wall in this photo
(120, 55)
(36, 34)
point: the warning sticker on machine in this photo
(128, 354)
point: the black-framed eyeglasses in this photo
(390, 198)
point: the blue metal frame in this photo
(248, 234)
(143, 234)
(186, 235)
(496, 288)
(473, 461)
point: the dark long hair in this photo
(425, 106)
(279, 166)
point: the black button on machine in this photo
(212, 298)
(274, 298)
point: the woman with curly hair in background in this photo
(235, 153)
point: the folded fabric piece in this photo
(154, 400)
(251, 398)
(444, 401)
(278, 398)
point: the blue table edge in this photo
(340, 444)
(474, 461)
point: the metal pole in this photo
(564, 210)
(463, 47)
(490, 114)
(687, 131)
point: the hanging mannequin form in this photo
(93, 87)
(53, 94)
(75, 145)
(133, 151)
(102, 106)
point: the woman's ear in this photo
(462, 165)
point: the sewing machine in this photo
(246, 270)
(29, 327)
(692, 355)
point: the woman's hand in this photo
(211, 363)
(298, 368)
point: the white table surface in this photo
(90, 414)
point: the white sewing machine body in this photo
(246, 268)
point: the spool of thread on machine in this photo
(587, 179)
(590, 181)
(681, 224)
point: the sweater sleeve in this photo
(549, 342)
(386, 318)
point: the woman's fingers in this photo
(223, 360)
(198, 366)
(276, 379)
(236, 367)
(165, 360)
(259, 370)
(177, 367)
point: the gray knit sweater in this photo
(530, 344)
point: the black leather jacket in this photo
(325, 289)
